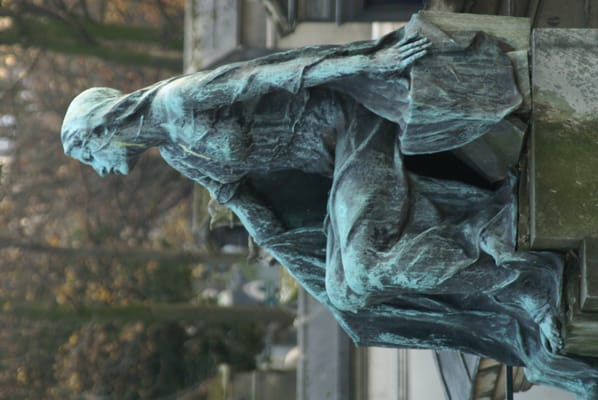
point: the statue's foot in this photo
(550, 332)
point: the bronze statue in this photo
(314, 150)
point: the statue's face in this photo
(102, 154)
(91, 137)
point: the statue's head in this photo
(97, 127)
(90, 135)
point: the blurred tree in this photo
(129, 32)
(73, 244)
(147, 361)
(207, 314)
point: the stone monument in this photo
(383, 175)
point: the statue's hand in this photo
(400, 56)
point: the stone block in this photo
(580, 327)
(211, 31)
(563, 186)
(513, 31)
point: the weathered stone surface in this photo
(563, 181)
(212, 31)
(520, 60)
(511, 30)
(588, 293)
(564, 143)
(560, 14)
(579, 330)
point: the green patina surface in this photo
(401, 259)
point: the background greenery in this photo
(98, 276)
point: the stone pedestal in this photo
(581, 319)
(563, 170)
(564, 140)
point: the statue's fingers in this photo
(415, 50)
(413, 57)
(408, 38)
(413, 45)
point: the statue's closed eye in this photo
(86, 156)
(74, 144)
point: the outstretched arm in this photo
(395, 58)
(297, 69)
